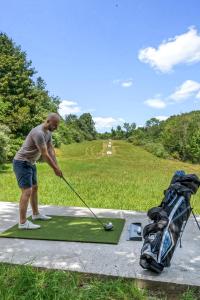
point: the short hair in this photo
(53, 116)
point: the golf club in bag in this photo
(169, 219)
(108, 226)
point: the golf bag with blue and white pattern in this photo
(168, 222)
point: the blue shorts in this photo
(25, 172)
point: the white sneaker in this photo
(28, 225)
(41, 217)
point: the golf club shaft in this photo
(82, 200)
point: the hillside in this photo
(131, 178)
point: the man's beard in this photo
(51, 128)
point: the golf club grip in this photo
(81, 200)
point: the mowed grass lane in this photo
(131, 178)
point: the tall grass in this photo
(25, 283)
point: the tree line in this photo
(178, 137)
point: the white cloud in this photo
(182, 49)
(106, 123)
(188, 89)
(69, 103)
(156, 103)
(127, 83)
(161, 118)
(68, 107)
(121, 120)
(124, 83)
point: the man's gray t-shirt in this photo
(31, 148)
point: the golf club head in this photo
(108, 226)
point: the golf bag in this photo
(169, 220)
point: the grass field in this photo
(30, 283)
(26, 282)
(129, 179)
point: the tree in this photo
(119, 134)
(71, 119)
(152, 122)
(87, 125)
(4, 143)
(193, 147)
(113, 133)
(129, 128)
(23, 103)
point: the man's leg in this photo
(23, 204)
(23, 172)
(34, 199)
(34, 204)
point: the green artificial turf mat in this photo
(75, 229)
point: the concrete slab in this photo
(116, 260)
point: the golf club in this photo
(108, 226)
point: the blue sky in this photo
(120, 60)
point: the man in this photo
(38, 143)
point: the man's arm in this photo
(47, 157)
(42, 147)
(51, 152)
